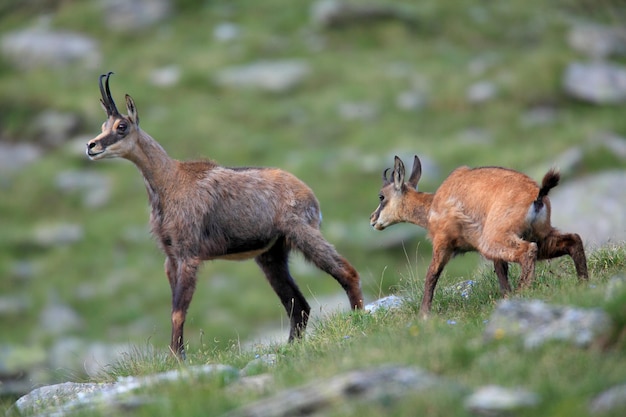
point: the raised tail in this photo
(550, 180)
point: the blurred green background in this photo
(456, 82)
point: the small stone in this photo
(494, 400)
(481, 92)
(270, 76)
(596, 82)
(391, 302)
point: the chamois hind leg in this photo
(557, 244)
(441, 256)
(501, 269)
(309, 240)
(274, 264)
(508, 247)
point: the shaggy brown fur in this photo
(501, 213)
(202, 211)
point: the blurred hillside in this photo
(328, 90)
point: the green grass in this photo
(114, 277)
(565, 377)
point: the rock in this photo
(166, 76)
(337, 13)
(14, 157)
(411, 100)
(592, 206)
(14, 305)
(78, 357)
(258, 364)
(269, 76)
(382, 384)
(65, 398)
(597, 41)
(493, 400)
(539, 116)
(391, 302)
(609, 401)
(54, 234)
(95, 188)
(226, 31)
(53, 127)
(614, 143)
(596, 82)
(57, 319)
(45, 48)
(481, 92)
(134, 15)
(538, 323)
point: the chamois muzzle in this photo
(107, 100)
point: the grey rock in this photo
(539, 116)
(592, 206)
(461, 289)
(609, 401)
(57, 319)
(391, 302)
(597, 41)
(14, 157)
(226, 31)
(269, 76)
(135, 15)
(381, 384)
(411, 100)
(537, 323)
(481, 92)
(493, 400)
(260, 363)
(94, 187)
(596, 82)
(69, 397)
(166, 76)
(614, 143)
(40, 47)
(80, 357)
(20, 368)
(53, 127)
(54, 234)
(13, 305)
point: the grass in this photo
(453, 350)
(520, 45)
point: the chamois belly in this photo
(247, 250)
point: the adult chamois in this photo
(501, 213)
(203, 211)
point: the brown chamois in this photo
(203, 211)
(501, 213)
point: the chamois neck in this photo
(417, 206)
(155, 164)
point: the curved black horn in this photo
(385, 178)
(107, 100)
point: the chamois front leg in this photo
(441, 256)
(182, 292)
(274, 263)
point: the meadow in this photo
(113, 277)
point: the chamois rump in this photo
(501, 213)
(203, 211)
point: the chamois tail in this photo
(550, 180)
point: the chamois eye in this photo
(381, 197)
(122, 127)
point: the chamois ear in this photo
(131, 110)
(416, 173)
(398, 173)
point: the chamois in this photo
(203, 211)
(501, 213)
